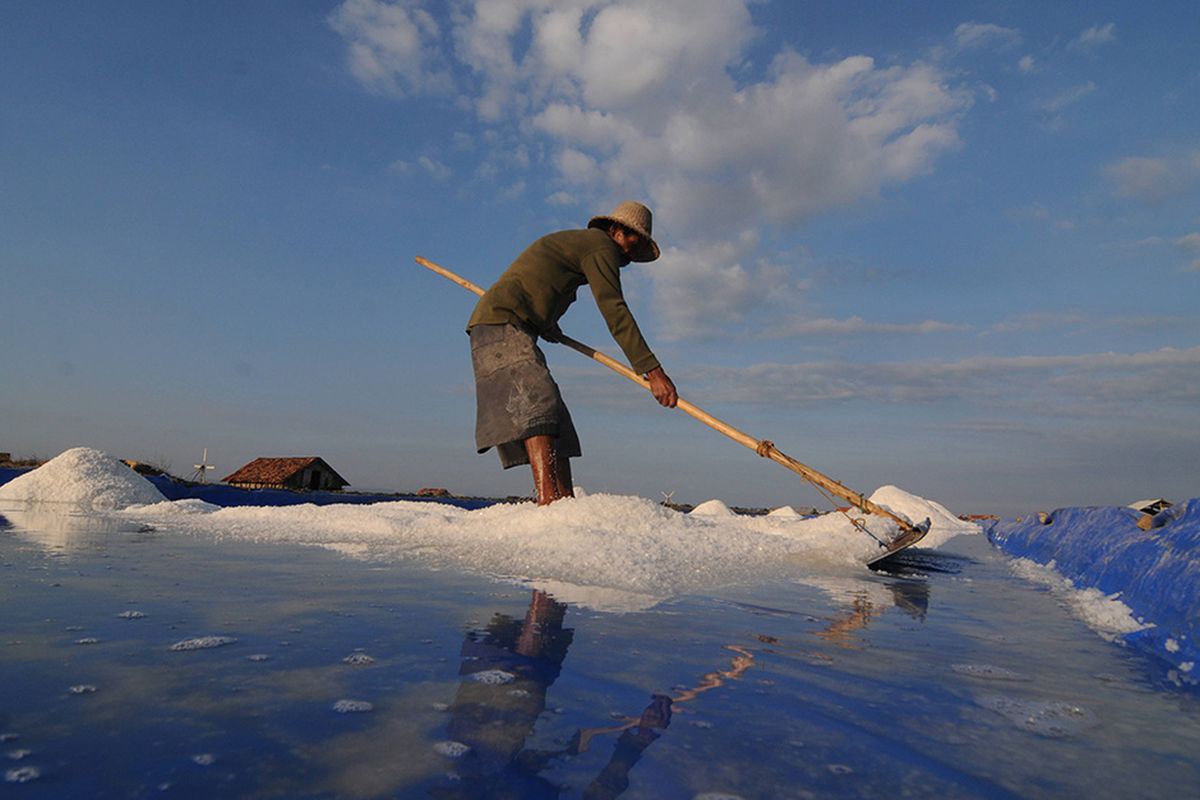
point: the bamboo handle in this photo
(761, 447)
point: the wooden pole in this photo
(761, 446)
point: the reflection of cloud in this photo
(64, 527)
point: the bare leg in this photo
(551, 474)
(566, 488)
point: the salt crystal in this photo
(352, 706)
(452, 749)
(988, 671)
(202, 643)
(493, 677)
(22, 775)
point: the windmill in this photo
(202, 468)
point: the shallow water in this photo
(142, 663)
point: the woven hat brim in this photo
(647, 251)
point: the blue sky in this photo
(950, 246)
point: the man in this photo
(519, 409)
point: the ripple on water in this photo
(358, 659)
(131, 615)
(202, 643)
(1051, 718)
(82, 688)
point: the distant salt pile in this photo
(783, 511)
(83, 477)
(943, 524)
(712, 508)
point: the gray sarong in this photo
(515, 396)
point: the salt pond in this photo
(191, 652)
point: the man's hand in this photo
(662, 388)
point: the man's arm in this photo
(602, 272)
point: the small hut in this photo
(304, 472)
(1151, 506)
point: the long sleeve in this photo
(604, 277)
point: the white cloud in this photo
(1190, 244)
(1105, 383)
(1095, 36)
(577, 167)
(979, 34)
(435, 168)
(646, 92)
(704, 287)
(1056, 105)
(1152, 180)
(561, 199)
(640, 100)
(1027, 64)
(390, 46)
(858, 325)
(1068, 97)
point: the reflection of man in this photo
(505, 672)
(519, 409)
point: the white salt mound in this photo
(943, 526)
(783, 511)
(712, 508)
(83, 477)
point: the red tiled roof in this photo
(275, 470)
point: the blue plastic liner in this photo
(1156, 572)
(223, 495)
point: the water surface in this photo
(338, 677)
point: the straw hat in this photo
(637, 218)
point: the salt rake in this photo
(910, 534)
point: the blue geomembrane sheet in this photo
(223, 495)
(1156, 572)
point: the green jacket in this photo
(540, 285)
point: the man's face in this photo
(626, 239)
